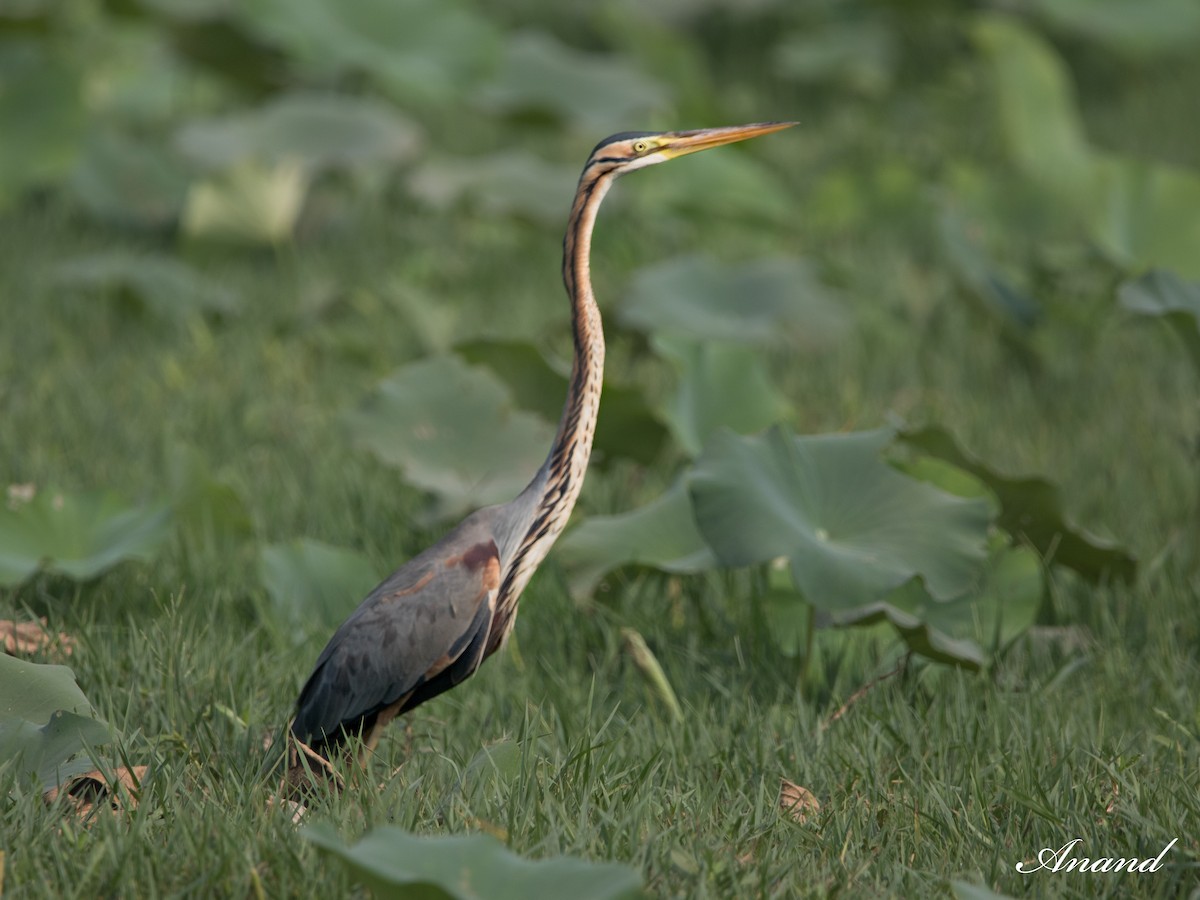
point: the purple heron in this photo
(433, 622)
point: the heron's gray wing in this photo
(419, 633)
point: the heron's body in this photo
(431, 624)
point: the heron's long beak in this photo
(680, 143)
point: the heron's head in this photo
(631, 150)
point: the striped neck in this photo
(556, 486)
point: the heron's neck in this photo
(568, 459)
(548, 500)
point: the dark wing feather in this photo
(420, 632)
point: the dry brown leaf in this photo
(93, 791)
(796, 801)
(1114, 798)
(27, 638)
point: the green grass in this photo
(1088, 729)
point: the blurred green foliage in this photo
(78, 535)
(195, 159)
(209, 126)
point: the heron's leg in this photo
(307, 771)
(372, 735)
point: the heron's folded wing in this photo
(427, 623)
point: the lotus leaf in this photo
(1147, 214)
(396, 864)
(852, 526)
(1031, 510)
(77, 535)
(596, 92)
(859, 55)
(964, 890)
(314, 585)
(980, 276)
(1004, 607)
(721, 385)
(504, 184)
(161, 284)
(764, 302)
(1138, 28)
(1140, 213)
(735, 183)
(1165, 295)
(661, 534)
(918, 633)
(207, 510)
(45, 720)
(320, 130)
(130, 181)
(41, 118)
(454, 431)
(1038, 112)
(627, 427)
(423, 51)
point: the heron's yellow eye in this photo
(640, 146)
